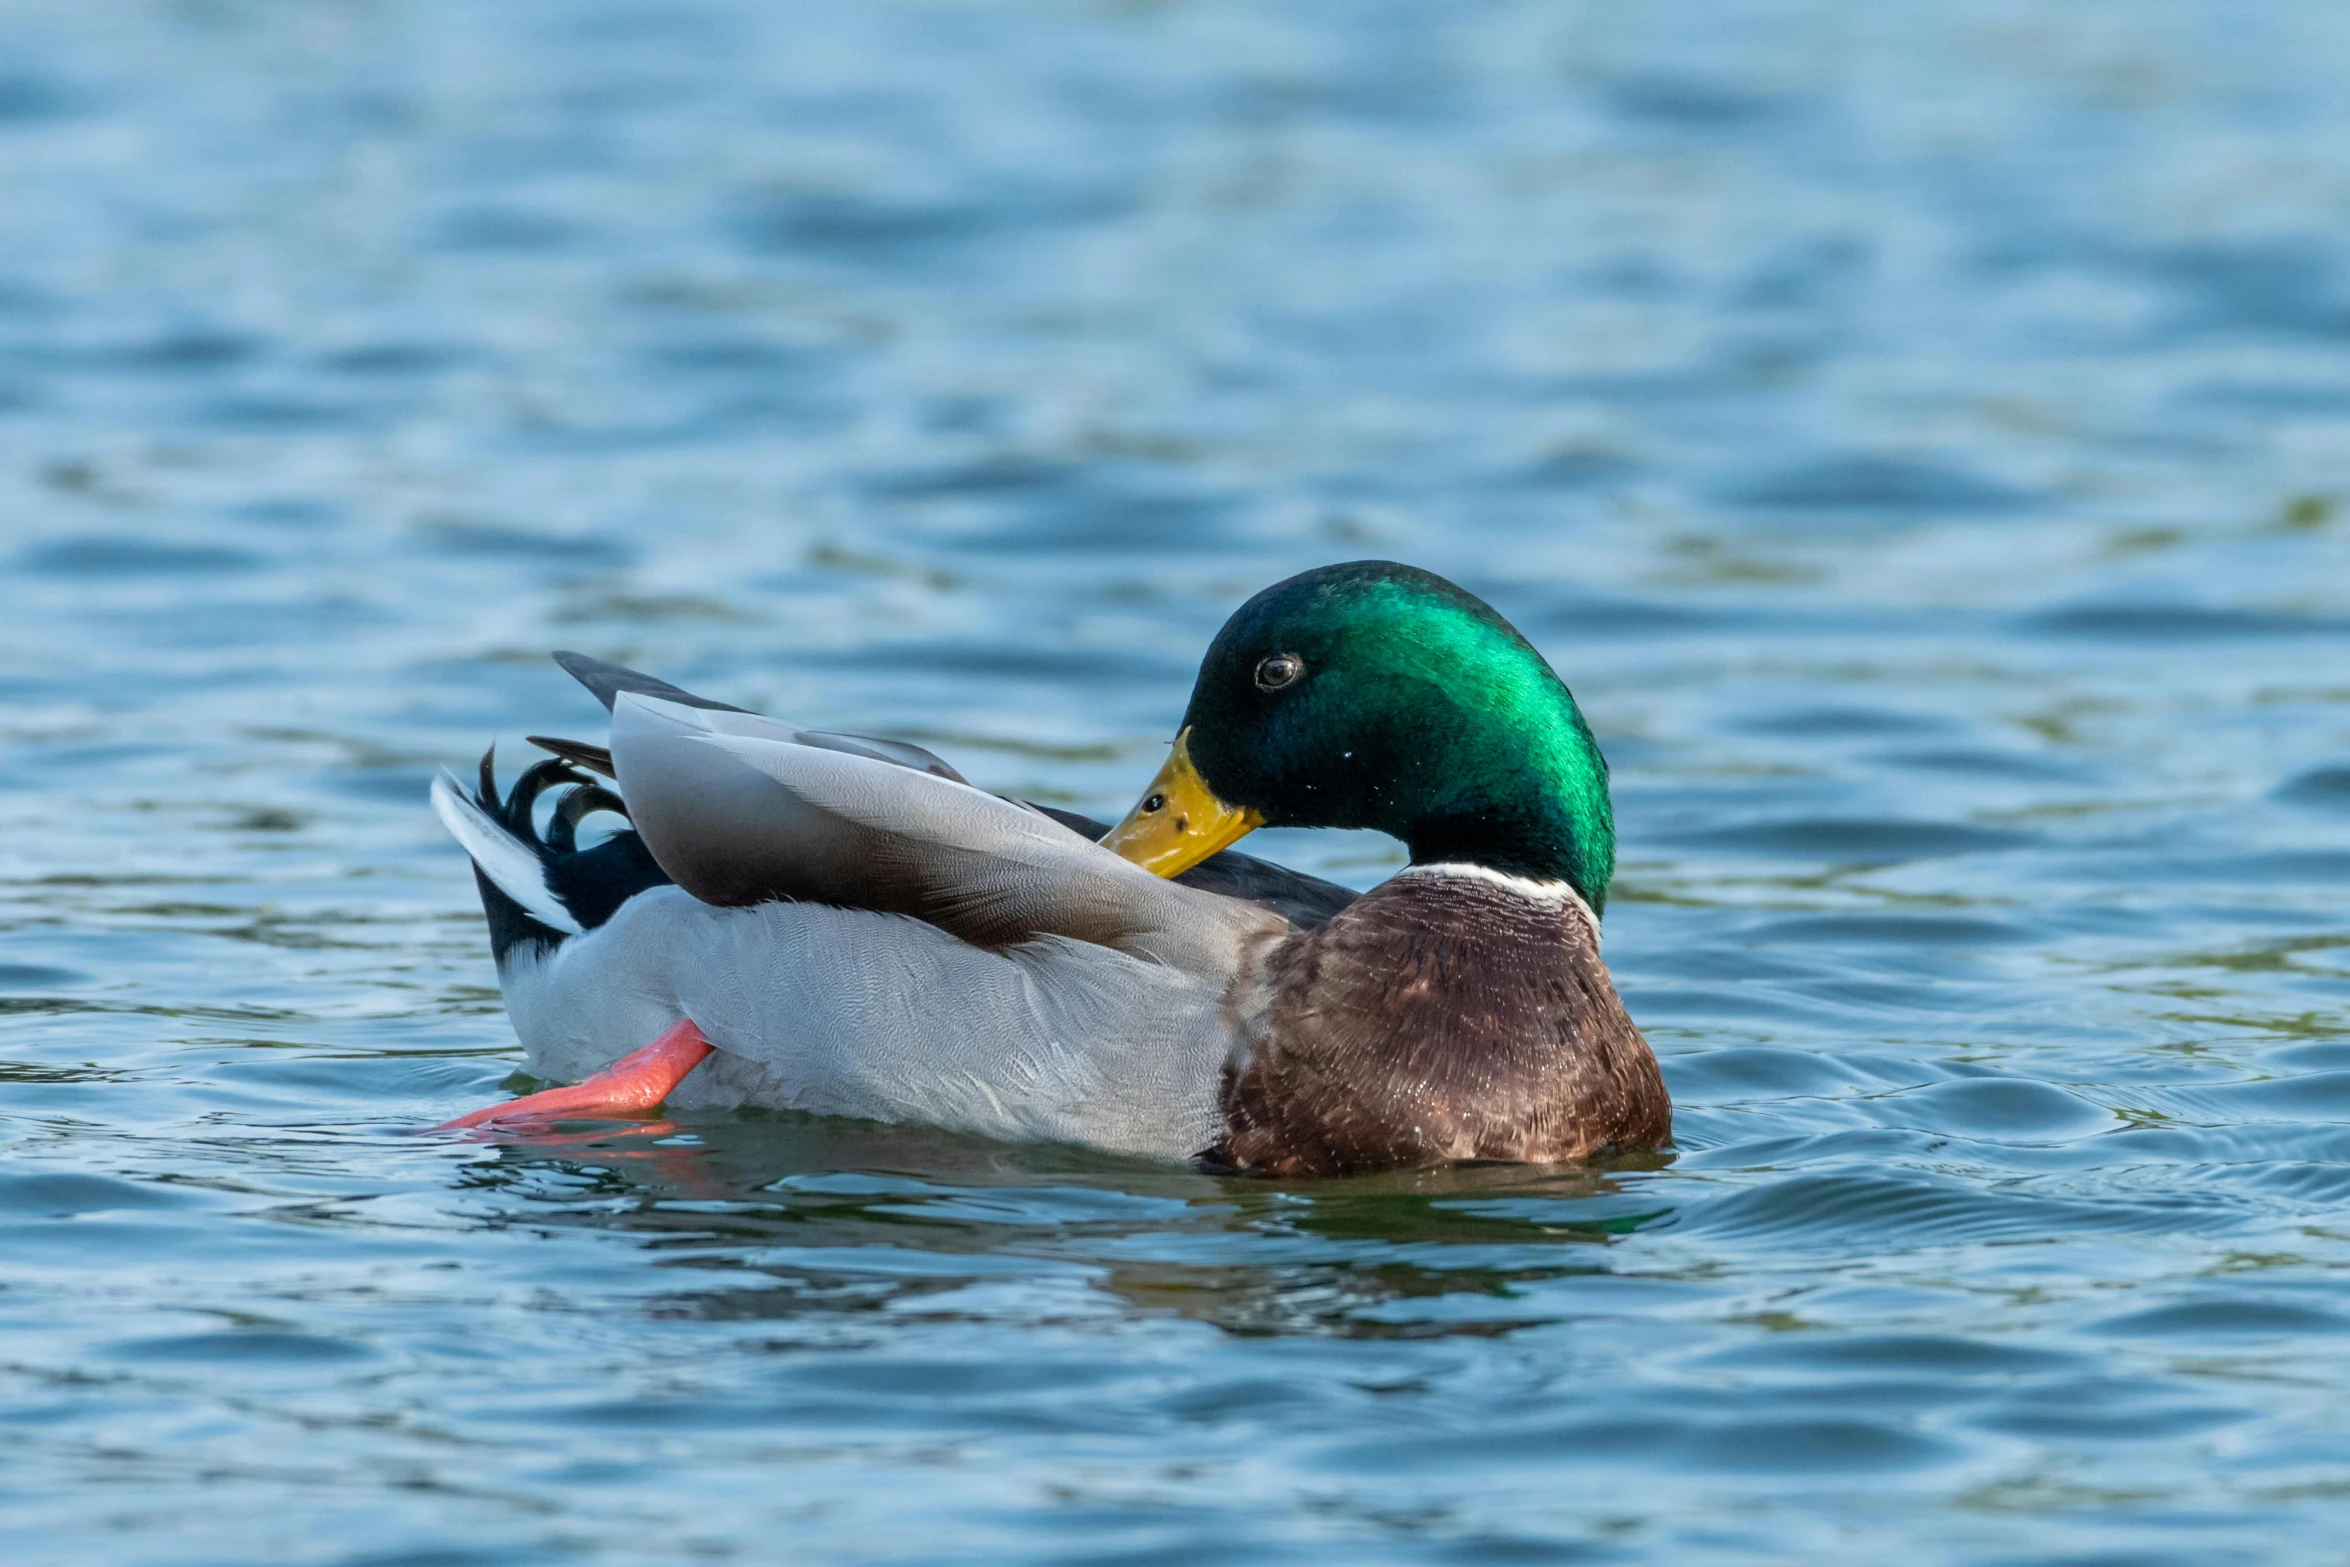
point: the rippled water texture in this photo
(1915, 431)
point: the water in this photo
(1916, 432)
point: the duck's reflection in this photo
(782, 1215)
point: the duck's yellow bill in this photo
(1180, 822)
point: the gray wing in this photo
(741, 809)
(609, 681)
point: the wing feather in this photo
(610, 681)
(744, 810)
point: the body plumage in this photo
(854, 930)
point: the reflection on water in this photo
(1920, 437)
(789, 1211)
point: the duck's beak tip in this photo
(1179, 821)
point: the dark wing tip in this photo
(607, 680)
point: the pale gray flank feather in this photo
(847, 1012)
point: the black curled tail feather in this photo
(591, 883)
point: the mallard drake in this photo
(843, 925)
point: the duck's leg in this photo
(629, 1086)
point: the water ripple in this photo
(1919, 445)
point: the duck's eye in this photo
(1157, 802)
(1280, 670)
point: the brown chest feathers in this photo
(1442, 1016)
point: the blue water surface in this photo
(1919, 434)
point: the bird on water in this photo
(843, 925)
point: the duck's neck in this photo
(1517, 787)
(1544, 843)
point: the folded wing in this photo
(1305, 901)
(741, 809)
(609, 681)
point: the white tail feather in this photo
(503, 858)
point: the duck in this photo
(844, 925)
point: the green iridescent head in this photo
(1378, 695)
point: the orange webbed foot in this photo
(632, 1085)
